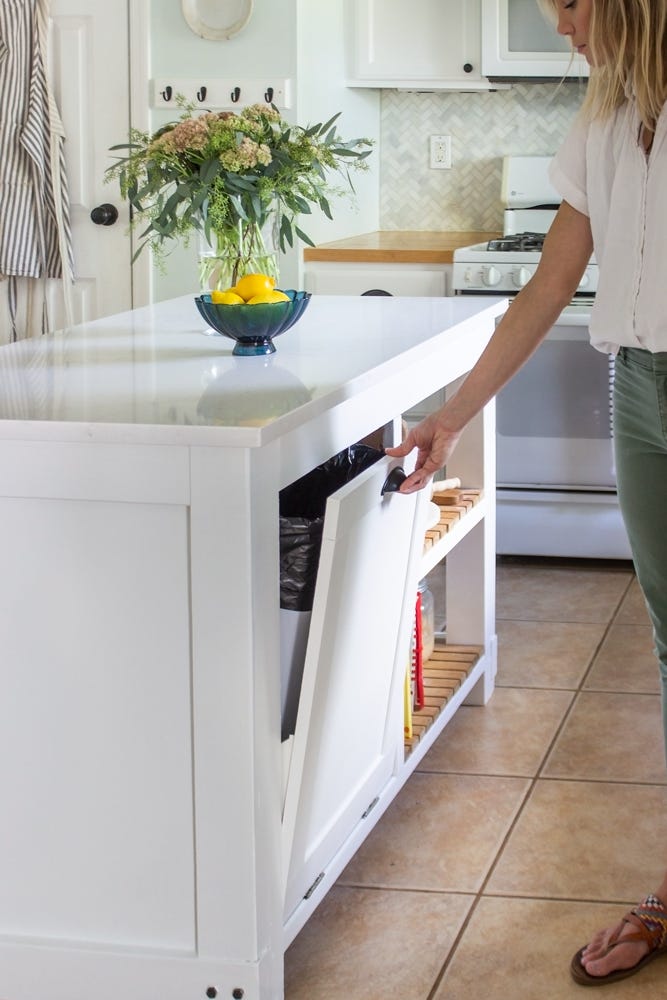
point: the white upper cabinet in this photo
(424, 44)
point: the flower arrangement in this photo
(229, 176)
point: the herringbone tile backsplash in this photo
(529, 119)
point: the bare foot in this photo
(601, 956)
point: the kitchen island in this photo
(158, 840)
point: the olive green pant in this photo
(640, 445)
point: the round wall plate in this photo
(217, 19)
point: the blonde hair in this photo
(628, 43)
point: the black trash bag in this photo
(300, 544)
(302, 507)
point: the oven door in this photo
(554, 419)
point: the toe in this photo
(601, 942)
(622, 956)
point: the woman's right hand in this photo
(434, 443)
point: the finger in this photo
(426, 465)
(416, 481)
(400, 450)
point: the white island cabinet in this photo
(157, 839)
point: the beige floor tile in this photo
(585, 840)
(559, 592)
(509, 735)
(367, 944)
(442, 832)
(633, 608)
(545, 654)
(625, 661)
(611, 737)
(386, 928)
(520, 949)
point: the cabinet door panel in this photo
(95, 727)
(357, 279)
(348, 727)
(425, 40)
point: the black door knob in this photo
(104, 215)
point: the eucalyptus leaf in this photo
(302, 236)
(326, 207)
(327, 125)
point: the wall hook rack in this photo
(220, 92)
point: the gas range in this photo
(506, 264)
(483, 268)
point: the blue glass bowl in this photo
(253, 327)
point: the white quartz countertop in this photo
(157, 374)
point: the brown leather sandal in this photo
(650, 919)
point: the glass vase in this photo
(246, 249)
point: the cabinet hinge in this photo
(314, 886)
(370, 807)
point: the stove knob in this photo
(584, 281)
(521, 276)
(491, 275)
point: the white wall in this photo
(301, 40)
(266, 45)
(321, 92)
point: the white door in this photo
(89, 65)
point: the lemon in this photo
(253, 284)
(272, 296)
(227, 298)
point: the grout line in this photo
(479, 894)
(610, 624)
(563, 899)
(546, 777)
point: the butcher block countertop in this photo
(397, 247)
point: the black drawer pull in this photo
(392, 483)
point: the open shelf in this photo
(451, 671)
(444, 675)
(460, 511)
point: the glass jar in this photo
(245, 249)
(427, 620)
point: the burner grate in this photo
(519, 242)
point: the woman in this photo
(612, 174)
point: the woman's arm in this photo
(567, 250)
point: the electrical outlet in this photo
(440, 152)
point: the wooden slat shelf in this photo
(444, 674)
(450, 665)
(453, 504)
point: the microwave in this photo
(518, 43)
